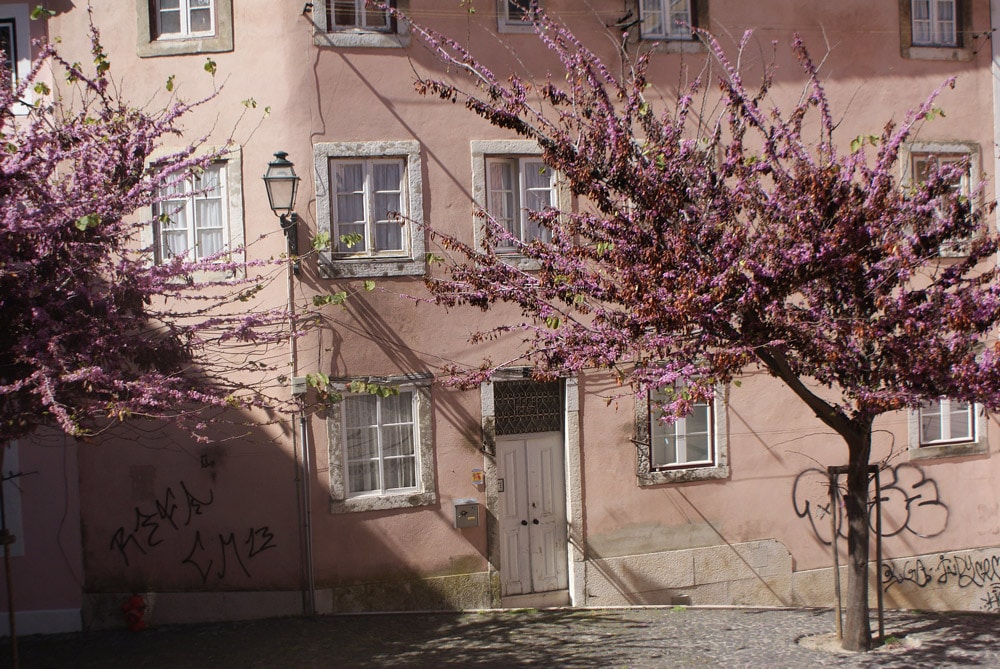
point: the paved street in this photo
(633, 638)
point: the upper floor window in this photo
(201, 215)
(358, 23)
(191, 216)
(934, 22)
(347, 14)
(371, 205)
(368, 202)
(935, 29)
(924, 158)
(175, 27)
(513, 15)
(185, 18)
(666, 19)
(381, 446)
(947, 427)
(691, 448)
(516, 187)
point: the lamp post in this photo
(282, 183)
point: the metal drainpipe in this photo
(305, 497)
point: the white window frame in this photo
(666, 25)
(184, 10)
(421, 494)
(232, 204)
(679, 433)
(958, 46)
(396, 35)
(946, 152)
(184, 206)
(946, 446)
(940, 34)
(372, 217)
(410, 260)
(17, 16)
(648, 473)
(152, 43)
(485, 150)
(513, 23)
(519, 166)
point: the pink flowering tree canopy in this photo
(704, 246)
(94, 331)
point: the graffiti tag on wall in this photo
(961, 571)
(169, 520)
(910, 503)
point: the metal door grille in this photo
(526, 406)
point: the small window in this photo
(370, 203)
(947, 428)
(356, 14)
(176, 27)
(380, 438)
(367, 206)
(178, 19)
(692, 448)
(946, 421)
(381, 448)
(666, 19)
(926, 157)
(191, 219)
(515, 187)
(513, 15)
(934, 22)
(687, 442)
(524, 406)
(936, 29)
(15, 49)
(359, 23)
(8, 50)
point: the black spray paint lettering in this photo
(224, 551)
(909, 500)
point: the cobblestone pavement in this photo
(618, 638)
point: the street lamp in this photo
(282, 183)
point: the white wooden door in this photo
(532, 514)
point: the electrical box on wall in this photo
(466, 513)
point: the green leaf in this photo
(433, 259)
(318, 380)
(210, 66)
(41, 88)
(332, 298)
(170, 83)
(88, 221)
(321, 241)
(40, 12)
(351, 240)
(250, 103)
(737, 383)
(552, 322)
(369, 285)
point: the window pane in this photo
(698, 447)
(930, 422)
(7, 42)
(376, 19)
(363, 476)
(345, 13)
(201, 21)
(387, 176)
(170, 22)
(652, 18)
(960, 421)
(400, 473)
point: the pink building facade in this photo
(518, 493)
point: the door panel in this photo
(532, 514)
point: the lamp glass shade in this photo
(281, 183)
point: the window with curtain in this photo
(516, 186)
(380, 439)
(191, 216)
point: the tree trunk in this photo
(857, 627)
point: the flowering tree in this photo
(94, 330)
(707, 245)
